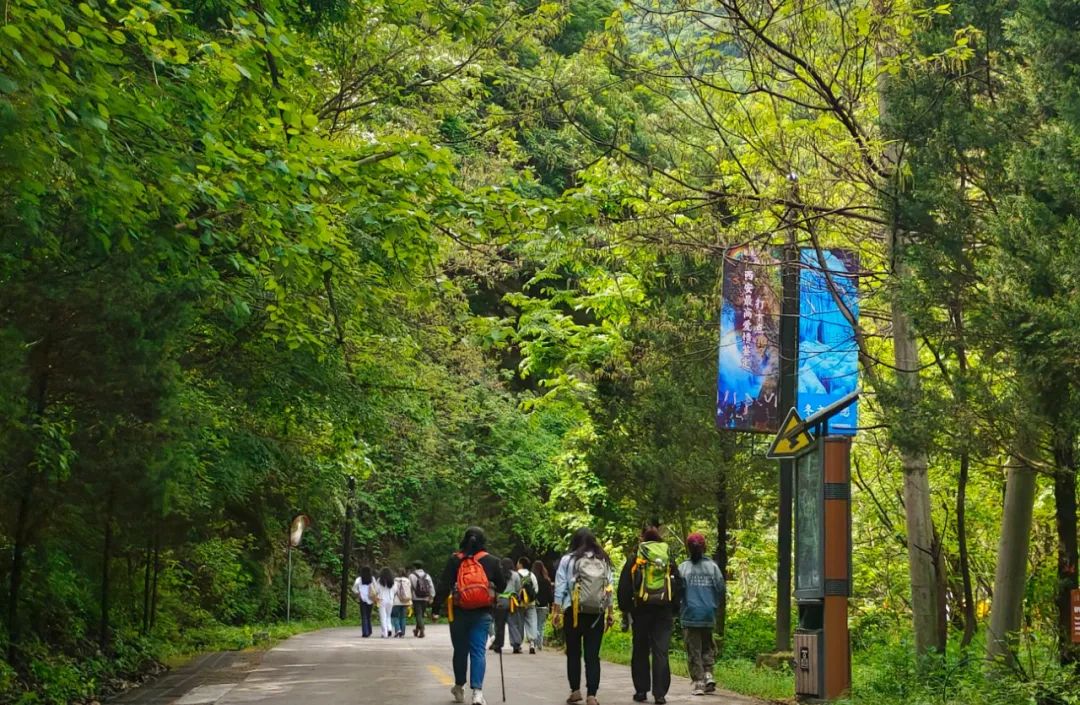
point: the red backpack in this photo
(472, 590)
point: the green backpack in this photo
(652, 574)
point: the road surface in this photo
(337, 667)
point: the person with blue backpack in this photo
(704, 589)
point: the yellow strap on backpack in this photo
(513, 604)
(450, 608)
(576, 603)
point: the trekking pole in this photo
(502, 676)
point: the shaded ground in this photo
(337, 667)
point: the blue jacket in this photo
(703, 586)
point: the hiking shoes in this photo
(710, 685)
(575, 697)
(640, 697)
(458, 691)
(697, 688)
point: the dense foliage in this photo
(469, 252)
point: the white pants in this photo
(385, 608)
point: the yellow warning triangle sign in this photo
(792, 439)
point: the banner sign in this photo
(748, 387)
(828, 353)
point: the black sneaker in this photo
(640, 697)
(532, 649)
(660, 700)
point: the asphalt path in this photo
(338, 667)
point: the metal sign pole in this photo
(288, 589)
(789, 376)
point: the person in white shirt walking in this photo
(384, 589)
(423, 592)
(362, 588)
(527, 603)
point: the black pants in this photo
(652, 637)
(365, 618)
(584, 640)
(501, 614)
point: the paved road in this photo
(337, 667)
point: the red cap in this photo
(695, 539)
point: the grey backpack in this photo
(592, 586)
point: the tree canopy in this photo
(470, 253)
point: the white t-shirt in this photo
(415, 579)
(402, 586)
(362, 591)
(526, 573)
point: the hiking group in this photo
(485, 595)
(395, 597)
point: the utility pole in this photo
(346, 549)
(789, 382)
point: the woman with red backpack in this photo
(471, 580)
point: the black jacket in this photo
(492, 565)
(625, 593)
(545, 593)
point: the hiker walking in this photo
(507, 613)
(583, 608)
(423, 591)
(704, 589)
(362, 588)
(384, 599)
(545, 595)
(527, 603)
(471, 579)
(402, 602)
(648, 592)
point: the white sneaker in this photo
(478, 697)
(458, 691)
(697, 688)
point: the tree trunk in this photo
(157, 572)
(106, 559)
(970, 620)
(346, 550)
(37, 395)
(1065, 522)
(146, 589)
(965, 560)
(941, 574)
(920, 528)
(720, 555)
(1010, 575)
(919, 522)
